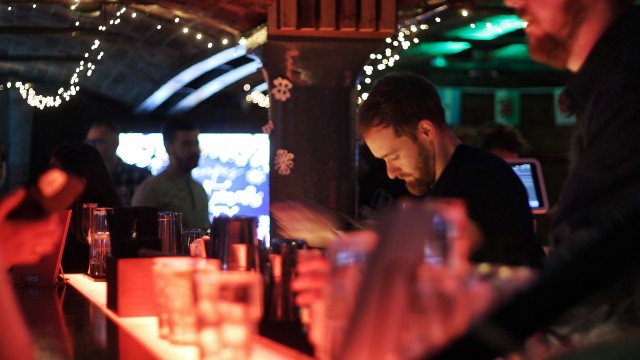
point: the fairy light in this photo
(388, 56)
(86, 68)
(35, 99)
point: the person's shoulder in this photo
(479, 158)
(197, 184)
(135, 169)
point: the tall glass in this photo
(238, 301)
(100, 246)
(87, 213)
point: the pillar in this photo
(314, 53)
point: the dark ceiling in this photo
(146, 44)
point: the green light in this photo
(433, 49)
(487, 29)
(439, 61)
(513, 51)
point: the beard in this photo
(187, 163)
(554, 49)
(192, 162)
(426, 168)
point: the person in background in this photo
(21, 241)
(84, 161)
(174, 189)
(126, 177)
(503, 140)
(402, 122)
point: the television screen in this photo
(233, 169)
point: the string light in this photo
(388, 57)
(40, 101)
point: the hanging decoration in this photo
(268, 128)
(281, 87)
(284, 162)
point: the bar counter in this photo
(72, 322)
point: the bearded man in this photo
(402, 122)
(174, 189)
(588, 291)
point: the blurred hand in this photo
(25, 241)
(311, 277)
(296, 220)
(442, 307)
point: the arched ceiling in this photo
(145, 45)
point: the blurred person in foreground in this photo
(174, 189)
(103, 135)
(588, 290)
(503, 140)
(21, 241)
(84, 161)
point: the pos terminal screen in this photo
(530, 173)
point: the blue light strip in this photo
(188, 75)
(215, 85)
(259, 88)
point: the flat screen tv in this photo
(233, 169)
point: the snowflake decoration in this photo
(281, 88)
(284, 161)
(268, 128)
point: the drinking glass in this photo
(175, 296)
(229, 307)
(188, 237)
(100, 246)
(87, 213)
(348, 256)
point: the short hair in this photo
(502, 136)
(401, 101)
(172, 126)
(111, 125)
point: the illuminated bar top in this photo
(72, 321)
(145, 329)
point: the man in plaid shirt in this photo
(104, 136)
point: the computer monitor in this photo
(530, 173)
(233, 169)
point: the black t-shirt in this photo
(497, 201)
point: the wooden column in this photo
(314, 53)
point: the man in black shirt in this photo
(402, 122)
